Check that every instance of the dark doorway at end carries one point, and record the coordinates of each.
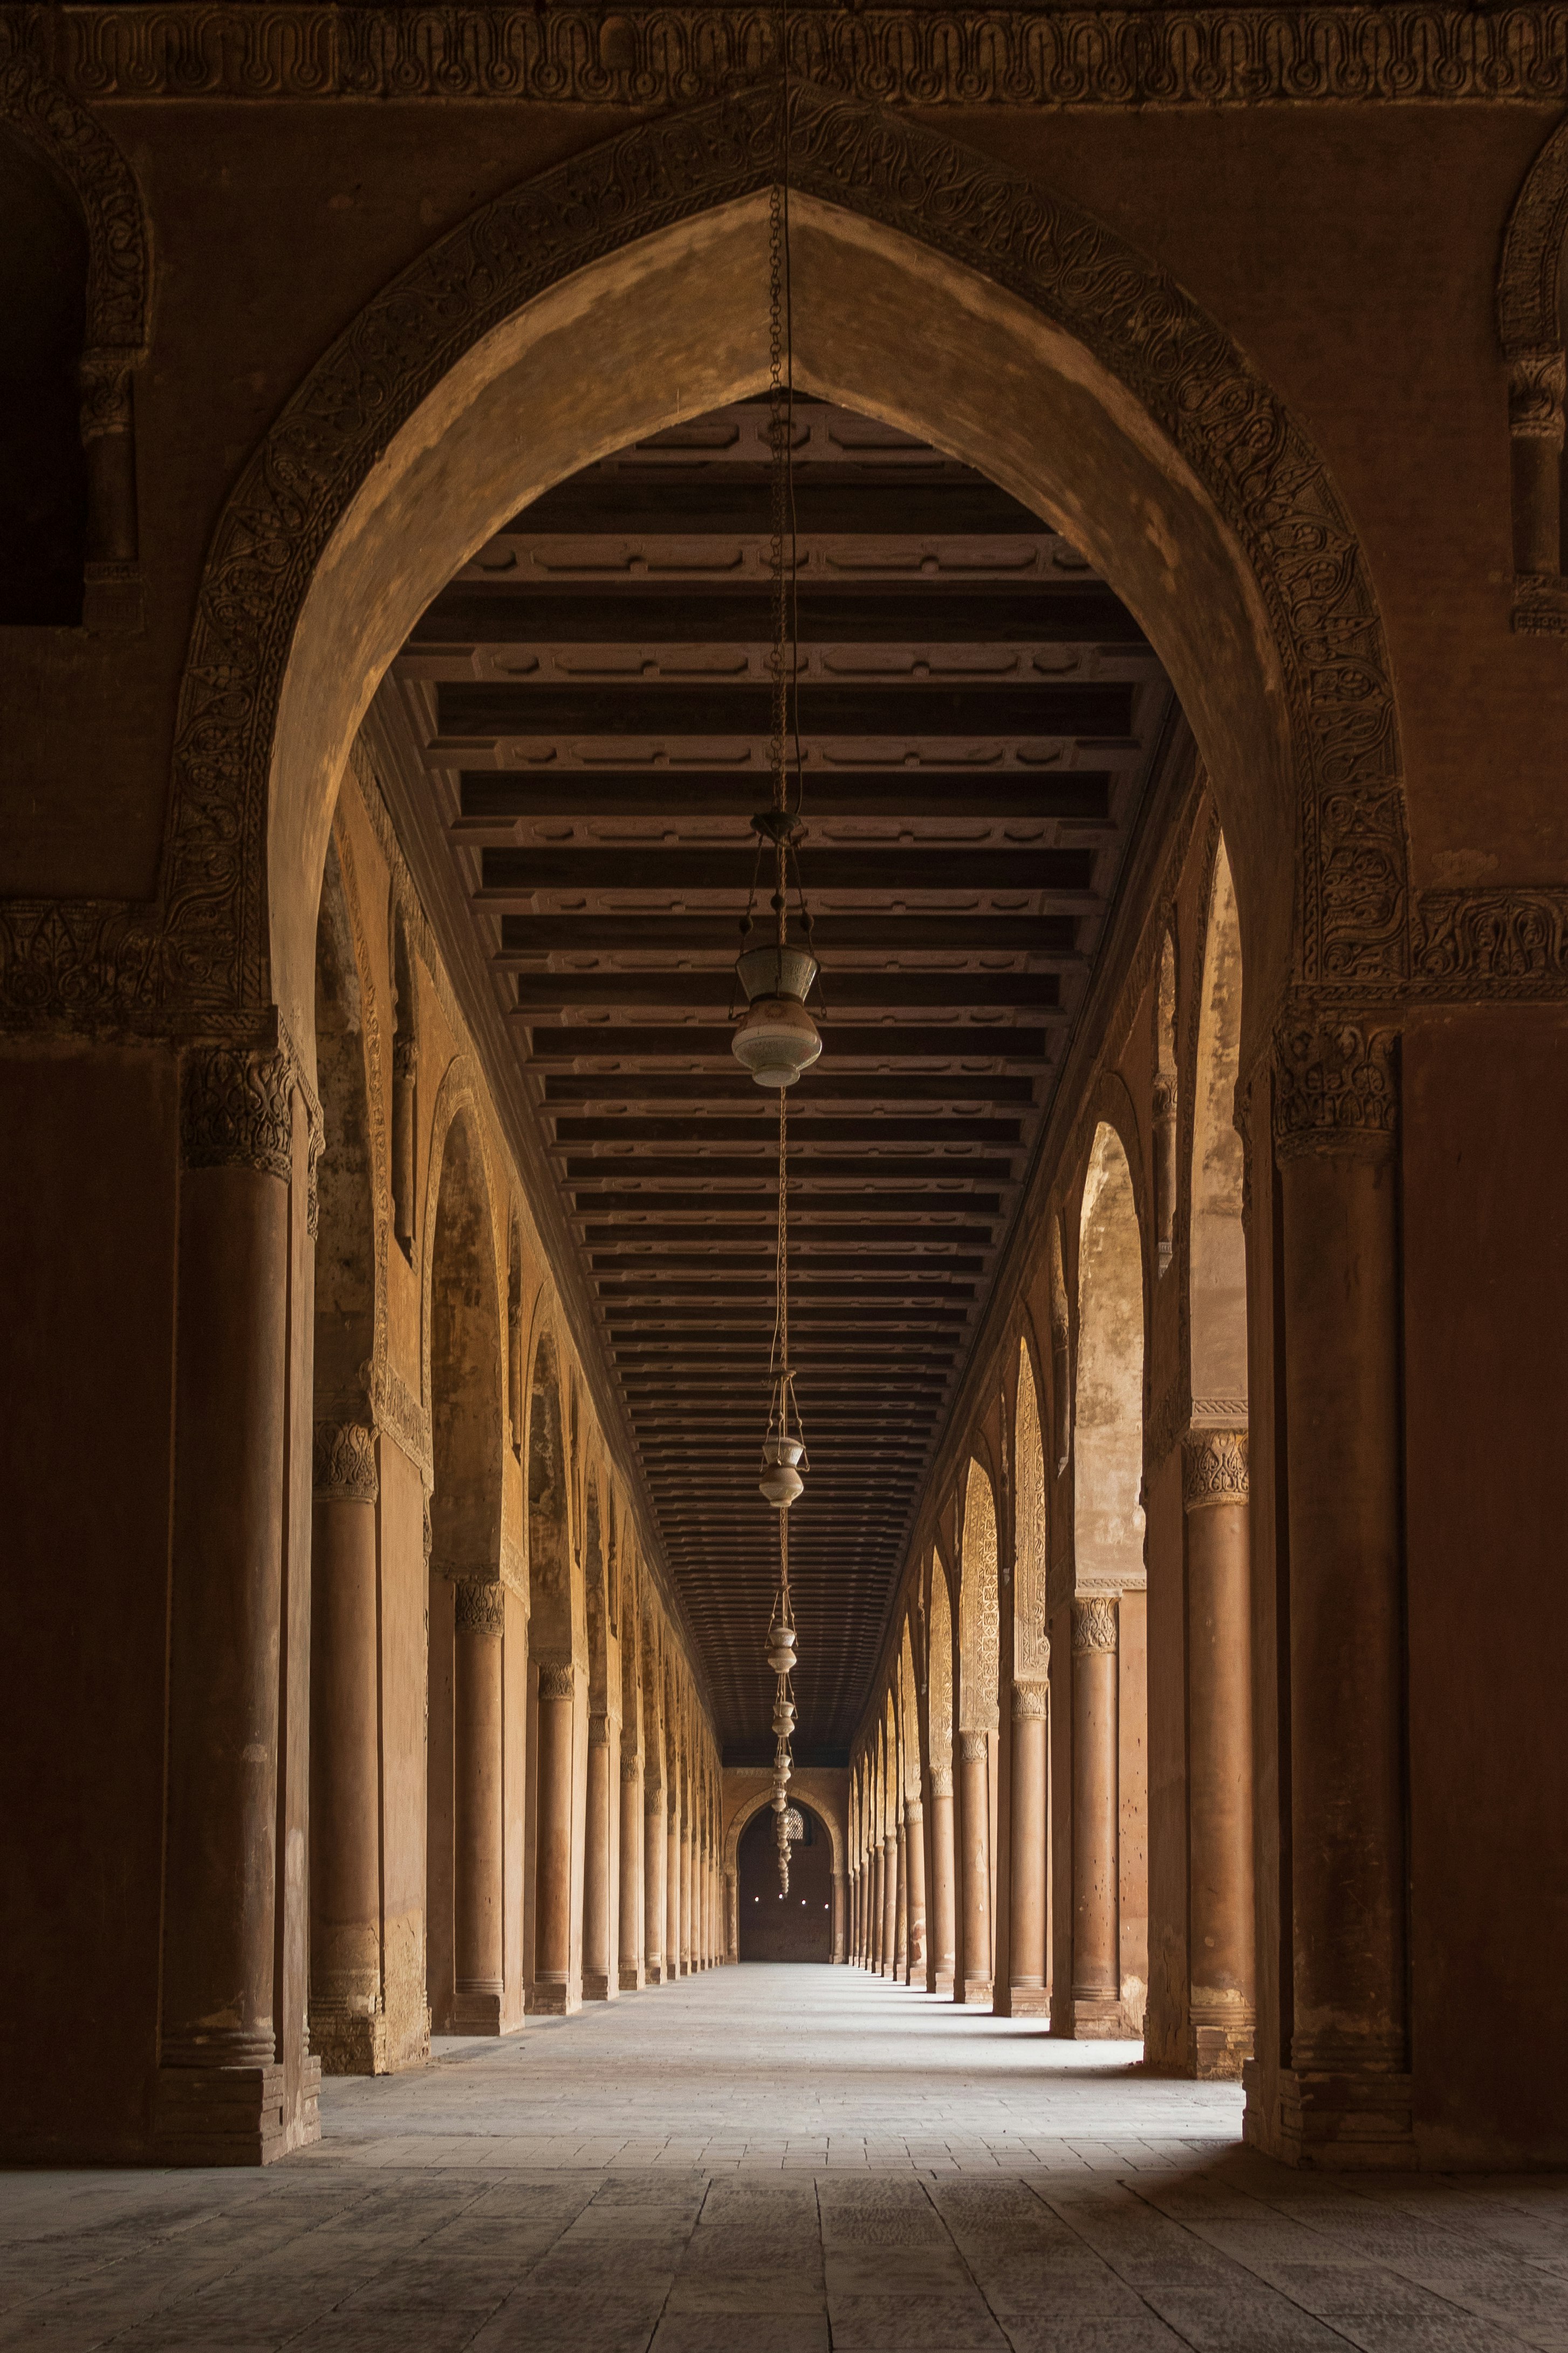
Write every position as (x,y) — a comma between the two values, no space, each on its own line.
(793,1927)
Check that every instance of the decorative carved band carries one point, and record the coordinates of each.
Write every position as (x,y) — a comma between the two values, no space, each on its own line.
(973,1745)
(1093,1625)
(907,55)
(482,1607)
(343,1463)
(1337,1089)
(1512,943)
(237,1110)
(1213,1468)
(557,1679)
(942,1781)
(1031,1702)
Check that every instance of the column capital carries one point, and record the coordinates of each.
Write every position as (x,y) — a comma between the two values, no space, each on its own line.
(236,1109)
(342,1462)
(631,1770)
(1093,1624)
(1213,1468)
(942,1781)
(1535,394)
(598,1731)
(1336,1088)
(481,1607)
(914,1812)
(405,1055)
(1031,1702)
(973,1746)
(557,1679)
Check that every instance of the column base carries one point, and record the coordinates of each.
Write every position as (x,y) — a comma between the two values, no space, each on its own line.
(631,1977)
(1091,2019)
(598,1987)
(939,1982)
(1218,2049)
(1344,2123)
(654,1973)
(351,2044)
(231,2115)
(978,1993)
(1022,2001)
(477,2010)
(554,2001)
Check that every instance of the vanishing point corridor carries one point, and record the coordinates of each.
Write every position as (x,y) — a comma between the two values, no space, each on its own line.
(782,2159)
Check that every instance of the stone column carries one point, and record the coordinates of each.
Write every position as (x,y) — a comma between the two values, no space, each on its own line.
(552,1991)
(1345,2098)
(915,1866)
(974,1864)
(1221,1993)
(1028,1992)
(478,1828)
(874,1925)
(902,1920)
(655,1894)
(854,1915)
(631,1967)
(944,1908)
(348,2024)
(598,1982)
(889,1958)
(840,1916)
(687,1961)
(1096,1844)
(672,1892)
(221,2092)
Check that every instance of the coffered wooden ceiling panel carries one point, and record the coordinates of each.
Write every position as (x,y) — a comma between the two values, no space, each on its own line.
(979,717)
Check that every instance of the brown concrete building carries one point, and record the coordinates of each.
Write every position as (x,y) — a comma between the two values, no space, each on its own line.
(388,661)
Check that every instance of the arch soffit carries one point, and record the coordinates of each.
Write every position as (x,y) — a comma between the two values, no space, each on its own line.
(246,807)
(370,991)
(1112,1105)
(77,148)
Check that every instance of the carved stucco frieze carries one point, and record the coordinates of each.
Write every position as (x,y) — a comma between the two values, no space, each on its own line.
(1504,942)
(400,1415)
(1093,1625)
(1336,1089)
(1407,52)
(481,1607)
(342,1462)
(1213,1468)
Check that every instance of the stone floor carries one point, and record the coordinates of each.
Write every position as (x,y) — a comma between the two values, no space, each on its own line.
(780,2160)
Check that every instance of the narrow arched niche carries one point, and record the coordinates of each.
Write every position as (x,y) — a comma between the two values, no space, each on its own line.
(1108,1407)
(1218,1256)
(43,465)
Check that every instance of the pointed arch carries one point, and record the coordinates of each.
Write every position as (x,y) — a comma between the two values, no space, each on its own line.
(1108,1441)
(464,1339)
(1031,1549)
(1217,1259)
(549,1546)
(938,1676)
(978,1646)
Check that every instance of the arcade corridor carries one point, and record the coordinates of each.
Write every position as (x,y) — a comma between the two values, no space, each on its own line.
(781,2160)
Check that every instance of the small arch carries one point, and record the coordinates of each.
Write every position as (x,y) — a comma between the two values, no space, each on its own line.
(1217,1273)
(1061,1354)
(345,1234)
(548,1548)
(405,1080)
(939,1678)
(1031,1549)
(1109,1399)
(596,1598)
(977,1607)
(465,1364)
(1531,325)
(771,1925)
(517,1412)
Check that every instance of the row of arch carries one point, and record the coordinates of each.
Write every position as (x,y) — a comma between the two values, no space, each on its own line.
(514,1784)
(1026,1831)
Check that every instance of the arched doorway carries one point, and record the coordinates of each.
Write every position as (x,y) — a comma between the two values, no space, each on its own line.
(774,1927)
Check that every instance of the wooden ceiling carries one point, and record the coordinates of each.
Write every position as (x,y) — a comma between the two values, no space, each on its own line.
(979,716)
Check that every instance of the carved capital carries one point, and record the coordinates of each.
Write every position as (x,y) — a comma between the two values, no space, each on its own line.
(973,1746)
(1337,1089)
(942,1781)
(405,1055)
(342,1462)
(481,1607)
(598,1732)
(105,380)
(557,1679)
(1093,1625)
(1031,1702)
(914,1812)
(631,1770)
(237,1110)
(1535,391)
(1213,1468)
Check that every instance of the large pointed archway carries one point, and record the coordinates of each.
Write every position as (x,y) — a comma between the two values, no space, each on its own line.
(625,289)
